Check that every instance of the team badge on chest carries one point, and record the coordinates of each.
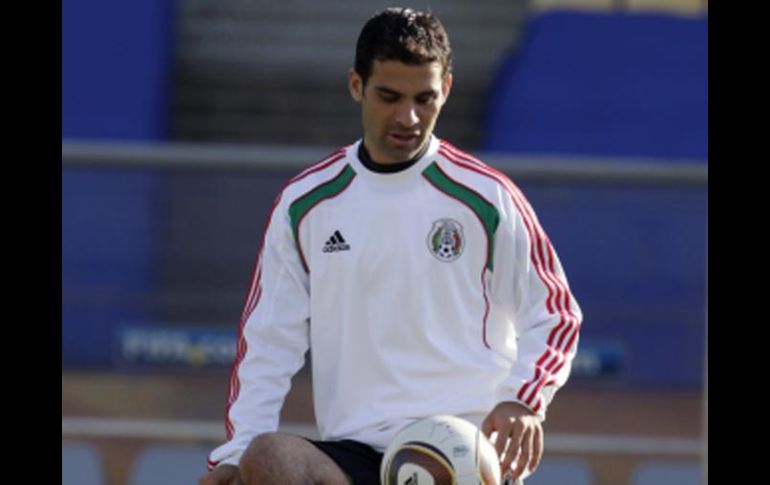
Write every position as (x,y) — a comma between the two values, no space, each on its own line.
(446,240)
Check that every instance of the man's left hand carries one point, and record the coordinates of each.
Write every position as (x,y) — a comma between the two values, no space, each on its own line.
(520,429)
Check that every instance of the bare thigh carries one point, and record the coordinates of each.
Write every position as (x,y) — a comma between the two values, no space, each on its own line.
(283,458)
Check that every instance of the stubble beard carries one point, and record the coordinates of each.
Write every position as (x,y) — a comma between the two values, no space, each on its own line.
(396,153)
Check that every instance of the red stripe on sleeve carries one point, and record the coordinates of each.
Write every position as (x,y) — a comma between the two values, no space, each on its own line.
(254,292)
(543,261)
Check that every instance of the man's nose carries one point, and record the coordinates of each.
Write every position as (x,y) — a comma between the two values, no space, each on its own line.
(407,115)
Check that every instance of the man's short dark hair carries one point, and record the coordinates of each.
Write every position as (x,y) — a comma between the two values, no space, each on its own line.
(405,35)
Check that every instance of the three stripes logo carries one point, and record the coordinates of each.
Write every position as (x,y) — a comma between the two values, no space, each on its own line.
(336,243)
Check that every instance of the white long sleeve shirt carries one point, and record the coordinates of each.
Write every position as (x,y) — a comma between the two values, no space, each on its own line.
(432,290)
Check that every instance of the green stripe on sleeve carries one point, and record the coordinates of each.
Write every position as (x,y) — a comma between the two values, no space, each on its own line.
(300,207)
(487,213)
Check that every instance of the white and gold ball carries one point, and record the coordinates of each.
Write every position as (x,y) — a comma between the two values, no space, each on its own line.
(440,450)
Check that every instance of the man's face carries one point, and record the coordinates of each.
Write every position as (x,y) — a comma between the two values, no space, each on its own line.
(399,105)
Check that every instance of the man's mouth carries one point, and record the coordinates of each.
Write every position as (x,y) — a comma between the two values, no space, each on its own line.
(403,138)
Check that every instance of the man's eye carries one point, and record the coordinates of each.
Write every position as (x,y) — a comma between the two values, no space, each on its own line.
(388,98)
(425,99)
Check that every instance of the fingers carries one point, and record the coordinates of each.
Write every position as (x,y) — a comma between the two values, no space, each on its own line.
(519,440)
(515,433)
(222,475)
(503,433)
(487,427)
(537,449)
(207,479)
(525,447)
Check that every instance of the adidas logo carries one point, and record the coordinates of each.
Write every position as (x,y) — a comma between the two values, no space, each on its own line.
(336,243)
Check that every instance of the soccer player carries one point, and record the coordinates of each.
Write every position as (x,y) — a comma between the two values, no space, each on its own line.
(419,277)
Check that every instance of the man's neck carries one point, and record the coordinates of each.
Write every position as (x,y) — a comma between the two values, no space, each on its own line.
(374,166)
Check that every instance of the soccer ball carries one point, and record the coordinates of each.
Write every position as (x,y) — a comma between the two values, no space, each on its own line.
(440,450)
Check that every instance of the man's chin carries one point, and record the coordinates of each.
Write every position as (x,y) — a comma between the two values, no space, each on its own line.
(405,152)
(402,155)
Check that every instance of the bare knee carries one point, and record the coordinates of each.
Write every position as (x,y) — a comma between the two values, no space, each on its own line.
(262,458)
(280,458)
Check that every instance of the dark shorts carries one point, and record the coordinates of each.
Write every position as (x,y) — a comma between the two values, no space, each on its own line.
(360,462)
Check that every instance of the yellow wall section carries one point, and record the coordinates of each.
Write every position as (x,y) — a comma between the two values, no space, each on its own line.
(675,7)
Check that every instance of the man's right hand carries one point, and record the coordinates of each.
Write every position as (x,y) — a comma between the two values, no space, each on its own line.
(222,475)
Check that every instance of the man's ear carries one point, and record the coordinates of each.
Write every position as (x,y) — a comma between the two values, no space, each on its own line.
(355,85)
(446,86)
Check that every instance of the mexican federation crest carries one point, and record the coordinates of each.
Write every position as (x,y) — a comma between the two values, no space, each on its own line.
(446,240)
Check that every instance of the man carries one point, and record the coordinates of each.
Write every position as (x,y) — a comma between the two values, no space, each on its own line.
(419,277)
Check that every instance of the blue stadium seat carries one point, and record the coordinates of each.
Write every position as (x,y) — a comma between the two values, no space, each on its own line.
(169,464)
(561,471)
(667,473)
(615,84)
(80,464)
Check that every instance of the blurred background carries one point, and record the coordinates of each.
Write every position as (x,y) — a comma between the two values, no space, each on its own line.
(181,119)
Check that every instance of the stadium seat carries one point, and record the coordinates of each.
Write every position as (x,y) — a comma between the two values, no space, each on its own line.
(561,471)
(666,473)
(168,464)
(80,464)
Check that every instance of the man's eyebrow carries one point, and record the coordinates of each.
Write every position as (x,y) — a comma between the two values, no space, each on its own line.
(428,92)
(386,90)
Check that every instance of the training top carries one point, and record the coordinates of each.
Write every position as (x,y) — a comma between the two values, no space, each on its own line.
(432,290)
